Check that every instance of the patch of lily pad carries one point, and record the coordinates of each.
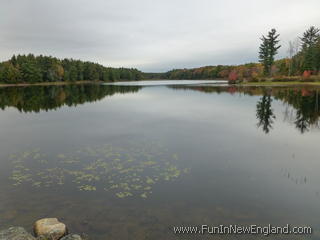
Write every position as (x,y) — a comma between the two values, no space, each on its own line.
(128,171)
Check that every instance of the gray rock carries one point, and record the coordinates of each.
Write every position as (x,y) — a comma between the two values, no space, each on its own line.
(15,233)
(71,237)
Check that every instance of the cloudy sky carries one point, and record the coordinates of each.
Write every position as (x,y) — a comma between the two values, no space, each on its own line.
(151,35)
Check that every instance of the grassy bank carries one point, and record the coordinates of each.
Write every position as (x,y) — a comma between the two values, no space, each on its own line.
(286,83)
(276,81)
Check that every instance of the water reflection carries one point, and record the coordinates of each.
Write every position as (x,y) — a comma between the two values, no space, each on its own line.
(295,179)
(45,98)
(265,113)
(306,103)
(95,166)
(302,103)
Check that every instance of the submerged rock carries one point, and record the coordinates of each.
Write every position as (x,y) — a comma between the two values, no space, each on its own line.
(15,233)
(50,228)
(72,237)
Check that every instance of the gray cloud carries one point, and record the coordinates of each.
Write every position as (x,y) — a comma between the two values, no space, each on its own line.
(150,35)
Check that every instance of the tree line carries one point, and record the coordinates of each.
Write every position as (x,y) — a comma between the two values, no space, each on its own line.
(303,61)
(37,69)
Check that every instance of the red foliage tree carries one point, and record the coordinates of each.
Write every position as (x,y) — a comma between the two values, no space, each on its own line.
(306,74)
(233,76)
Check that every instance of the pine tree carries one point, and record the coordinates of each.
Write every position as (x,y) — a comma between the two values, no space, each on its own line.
(264,55)
(317,55)
(309,49)
(273,45)
(8,73)
(73,74)
(268,49)
(30,72)
(310,37)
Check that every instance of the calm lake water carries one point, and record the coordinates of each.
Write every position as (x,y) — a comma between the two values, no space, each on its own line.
(131,162)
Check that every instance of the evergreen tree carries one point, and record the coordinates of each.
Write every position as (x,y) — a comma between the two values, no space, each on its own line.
(268,49)
(310,37)
(264,55)
(273,39)
(309,42)
(73,74)
(30,72)
(8,73)
(317,55)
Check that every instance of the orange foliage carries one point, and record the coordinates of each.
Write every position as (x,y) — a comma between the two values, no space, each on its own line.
(254,75)
(306,74)
(224,74)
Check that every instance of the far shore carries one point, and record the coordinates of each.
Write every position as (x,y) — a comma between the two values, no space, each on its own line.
(45,83)
(278,83)
(245,83)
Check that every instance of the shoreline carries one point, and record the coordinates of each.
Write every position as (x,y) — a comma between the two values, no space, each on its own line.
(276,84)
(249,84)
(46,83)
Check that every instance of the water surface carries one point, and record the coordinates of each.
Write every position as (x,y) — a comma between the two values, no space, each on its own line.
(131,162)
(167,82)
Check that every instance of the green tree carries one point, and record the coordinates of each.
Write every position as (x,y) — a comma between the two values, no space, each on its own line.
(268,49)
(264,55)
(310,37)
(30,72)
(8,73)
(309,42)
(73,74)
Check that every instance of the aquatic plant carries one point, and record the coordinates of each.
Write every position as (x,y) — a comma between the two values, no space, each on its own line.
(127,171)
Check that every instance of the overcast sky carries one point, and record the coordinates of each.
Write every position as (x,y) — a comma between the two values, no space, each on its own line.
(151,35)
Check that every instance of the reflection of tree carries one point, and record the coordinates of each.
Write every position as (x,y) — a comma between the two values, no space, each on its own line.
(302,122)
(265,113)
(288,114)
(307,112)
(301,103)
(38,98)
(306,104)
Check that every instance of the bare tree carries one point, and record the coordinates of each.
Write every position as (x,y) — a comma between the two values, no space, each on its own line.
(292,51)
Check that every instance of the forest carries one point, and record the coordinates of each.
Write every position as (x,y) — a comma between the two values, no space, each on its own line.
(37,69)
(303,62)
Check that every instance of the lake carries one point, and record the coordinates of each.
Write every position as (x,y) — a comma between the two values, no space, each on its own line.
(131,161)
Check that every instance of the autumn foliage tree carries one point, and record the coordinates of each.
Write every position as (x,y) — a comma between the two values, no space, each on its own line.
(306,74)
(233,76)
